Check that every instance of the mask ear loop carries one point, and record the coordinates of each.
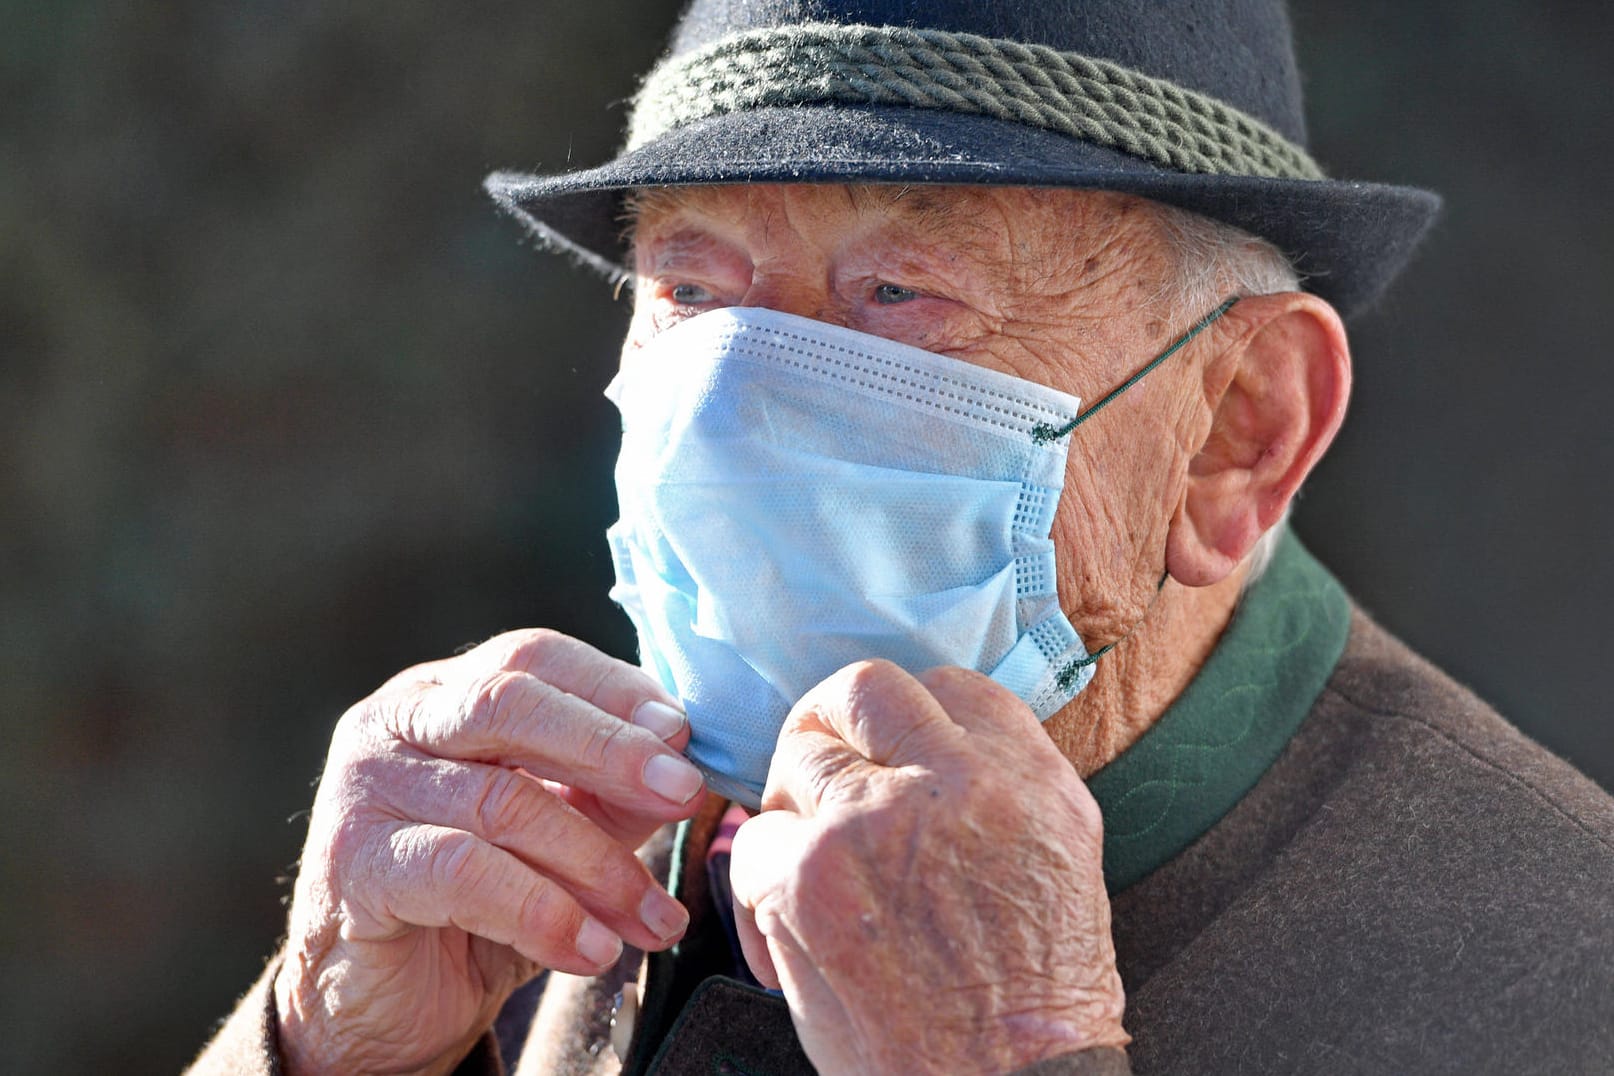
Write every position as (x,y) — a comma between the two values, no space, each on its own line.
(1067,675)
(1043,433)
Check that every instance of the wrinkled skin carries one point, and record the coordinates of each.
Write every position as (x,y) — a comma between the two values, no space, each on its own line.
(474,824)
(1068,289)
(925,883)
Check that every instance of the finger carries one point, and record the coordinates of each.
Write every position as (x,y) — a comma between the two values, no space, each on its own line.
(768,854)
(427,673)
(625,826)
(988,709)
(880,711)
(767,851)
(978,702)
(754,947)
(867,716)
(514,719)
(620,689)
(441,877)
(516,813)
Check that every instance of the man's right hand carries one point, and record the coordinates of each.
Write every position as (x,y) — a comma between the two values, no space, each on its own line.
(475,823)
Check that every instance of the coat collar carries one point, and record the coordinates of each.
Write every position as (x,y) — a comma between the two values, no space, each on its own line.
(1236,716)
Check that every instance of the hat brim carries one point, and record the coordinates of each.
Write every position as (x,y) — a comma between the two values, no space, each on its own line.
(1348,239)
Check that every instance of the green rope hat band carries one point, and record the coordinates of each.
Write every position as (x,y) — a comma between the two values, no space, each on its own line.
(1093,100)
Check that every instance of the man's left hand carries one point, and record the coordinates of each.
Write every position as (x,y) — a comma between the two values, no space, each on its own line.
(925,882)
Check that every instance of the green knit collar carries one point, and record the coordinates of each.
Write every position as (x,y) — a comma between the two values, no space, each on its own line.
(1215,741)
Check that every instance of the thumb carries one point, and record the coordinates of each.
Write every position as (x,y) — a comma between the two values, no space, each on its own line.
(766,850)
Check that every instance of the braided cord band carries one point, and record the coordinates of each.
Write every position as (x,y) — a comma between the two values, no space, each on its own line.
(1093,100)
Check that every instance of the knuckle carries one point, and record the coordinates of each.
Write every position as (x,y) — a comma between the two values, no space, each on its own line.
(345,842)
(344,821)
(613,680)
(356,727)
(533,648)
(871,674)
(501,700)
(498,648)
(482,699)
(869,684)
(509,803)
(453,865)
(955,677)
(407,713)
(613,871)
(544,913)
(600,744)
(423,673)
(824,854)
(828,775)
(410,719)
(354,717)
(362,776)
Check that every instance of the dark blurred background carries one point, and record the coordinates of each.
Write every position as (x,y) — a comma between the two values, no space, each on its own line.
(288,407)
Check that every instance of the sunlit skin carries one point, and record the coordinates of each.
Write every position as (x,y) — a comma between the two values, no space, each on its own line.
(476,816)
(1064,288)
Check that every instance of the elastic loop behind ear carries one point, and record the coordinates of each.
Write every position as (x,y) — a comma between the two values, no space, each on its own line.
(1067,675)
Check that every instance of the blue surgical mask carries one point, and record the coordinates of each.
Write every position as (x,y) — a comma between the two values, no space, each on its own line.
(797,496)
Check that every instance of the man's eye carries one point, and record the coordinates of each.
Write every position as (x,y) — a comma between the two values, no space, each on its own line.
(690,294)
(886,294)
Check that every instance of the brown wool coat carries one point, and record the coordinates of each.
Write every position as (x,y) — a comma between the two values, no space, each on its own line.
(1413,887)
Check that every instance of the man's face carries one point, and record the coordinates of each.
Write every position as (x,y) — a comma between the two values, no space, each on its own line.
(1065,288)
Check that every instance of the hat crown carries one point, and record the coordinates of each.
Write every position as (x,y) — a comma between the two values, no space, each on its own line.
(1240,52)
(1189,103)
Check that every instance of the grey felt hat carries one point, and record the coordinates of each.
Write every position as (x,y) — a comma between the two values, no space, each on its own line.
(1193,103)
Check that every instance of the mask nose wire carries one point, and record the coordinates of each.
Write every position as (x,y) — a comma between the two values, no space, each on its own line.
(1044,433)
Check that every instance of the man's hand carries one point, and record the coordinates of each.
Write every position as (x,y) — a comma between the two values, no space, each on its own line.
(476,822)
(925,881)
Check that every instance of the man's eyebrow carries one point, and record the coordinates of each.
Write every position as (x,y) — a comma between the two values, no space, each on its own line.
(926,206)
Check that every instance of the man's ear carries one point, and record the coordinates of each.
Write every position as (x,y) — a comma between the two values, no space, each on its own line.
(1277,396)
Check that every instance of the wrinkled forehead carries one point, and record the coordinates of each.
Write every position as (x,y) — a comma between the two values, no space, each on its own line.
(1009,221)
(1018,258)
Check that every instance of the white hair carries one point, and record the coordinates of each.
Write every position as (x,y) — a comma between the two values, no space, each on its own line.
(1215,261)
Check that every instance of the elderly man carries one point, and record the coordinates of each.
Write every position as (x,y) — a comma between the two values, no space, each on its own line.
(1007,726)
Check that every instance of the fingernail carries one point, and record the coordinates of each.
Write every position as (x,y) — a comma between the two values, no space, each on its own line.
(662,914)
(671,778)
(659,718)
(597,944)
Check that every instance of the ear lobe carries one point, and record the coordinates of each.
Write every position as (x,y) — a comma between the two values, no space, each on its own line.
(1277,397)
